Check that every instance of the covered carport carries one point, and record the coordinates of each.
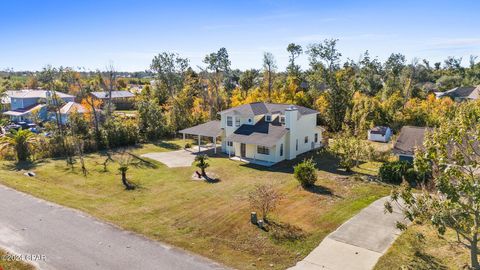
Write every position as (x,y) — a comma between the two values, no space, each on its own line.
(209,129)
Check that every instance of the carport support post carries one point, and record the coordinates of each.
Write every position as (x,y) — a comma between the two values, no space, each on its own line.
(199,141)
(214,145)
(183,138)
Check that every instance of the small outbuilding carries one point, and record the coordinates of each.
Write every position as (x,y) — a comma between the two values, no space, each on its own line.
(380,134)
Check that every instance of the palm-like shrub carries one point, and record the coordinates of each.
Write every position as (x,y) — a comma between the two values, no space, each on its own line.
(22,142)
(201,162)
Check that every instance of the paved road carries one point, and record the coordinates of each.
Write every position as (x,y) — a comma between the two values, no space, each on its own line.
(72,240)
(358,243)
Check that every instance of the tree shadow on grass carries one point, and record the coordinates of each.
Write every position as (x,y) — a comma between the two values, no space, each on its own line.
(321,190)
(23,165)
(284,232)
(167,145)
(424,261)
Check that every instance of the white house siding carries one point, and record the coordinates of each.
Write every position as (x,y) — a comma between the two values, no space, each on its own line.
(298,129)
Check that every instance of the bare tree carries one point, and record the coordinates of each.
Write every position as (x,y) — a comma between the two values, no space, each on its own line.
(264,198)
(269,67)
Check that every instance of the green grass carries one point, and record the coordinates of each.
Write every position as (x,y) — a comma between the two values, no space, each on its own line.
(211,219)
(7,264)
(437,252)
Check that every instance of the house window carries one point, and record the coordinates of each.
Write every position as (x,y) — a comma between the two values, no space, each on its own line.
(237,121)
(229,121)
(281,150)
(282,120)
(316,137)
(263,150)
(249,120)
(296,145)
(268,118)
(306,139)
(230,143)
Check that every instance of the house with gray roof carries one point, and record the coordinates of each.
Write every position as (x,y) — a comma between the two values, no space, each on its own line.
(263,133)
(410,139)
(27,103)
(459,94)
(123,100)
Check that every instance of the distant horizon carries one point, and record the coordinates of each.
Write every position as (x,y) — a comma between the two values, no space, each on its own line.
(128,34)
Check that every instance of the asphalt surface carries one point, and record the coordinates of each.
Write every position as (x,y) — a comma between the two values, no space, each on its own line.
(358,243)
(63,238)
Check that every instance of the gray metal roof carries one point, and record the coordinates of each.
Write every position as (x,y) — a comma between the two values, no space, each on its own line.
(382,130)
(208,129)
(115,94)
(262,133)
(260,108)
(409,139)
(30,93)
(464,92)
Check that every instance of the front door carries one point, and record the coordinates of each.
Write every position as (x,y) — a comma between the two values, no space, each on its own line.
(242,150)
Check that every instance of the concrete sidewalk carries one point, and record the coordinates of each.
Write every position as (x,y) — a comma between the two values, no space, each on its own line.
(358,243)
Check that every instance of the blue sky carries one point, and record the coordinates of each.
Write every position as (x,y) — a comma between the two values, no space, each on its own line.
(93,34)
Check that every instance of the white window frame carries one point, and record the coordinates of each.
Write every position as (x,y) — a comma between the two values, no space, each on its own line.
(306,139)
(237,121)
(263,150)
(282,119)
(229,143)
(316,137)
(281,149)
(268,118)
(229,121)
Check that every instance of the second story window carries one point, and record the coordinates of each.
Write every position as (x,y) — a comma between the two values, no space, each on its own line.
(306,139)
(237,121)
(316,137)
(268,118)
(229,121)
(282,119)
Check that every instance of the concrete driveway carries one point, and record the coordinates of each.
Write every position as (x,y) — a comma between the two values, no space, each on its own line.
(72,240)
(358,243)
(179,158)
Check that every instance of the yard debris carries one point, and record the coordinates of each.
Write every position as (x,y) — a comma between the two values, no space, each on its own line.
(30,174)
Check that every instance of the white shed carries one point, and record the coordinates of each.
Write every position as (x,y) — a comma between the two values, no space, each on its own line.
(380,134)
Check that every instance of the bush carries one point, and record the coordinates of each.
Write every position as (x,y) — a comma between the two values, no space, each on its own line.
(394,172)
(188,145)
(306,173)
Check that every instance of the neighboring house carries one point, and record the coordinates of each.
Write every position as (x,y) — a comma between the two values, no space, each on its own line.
(68,109)
(459,94)
(380,134)
(123,100)
(264,133)
(408,141)
(27,104)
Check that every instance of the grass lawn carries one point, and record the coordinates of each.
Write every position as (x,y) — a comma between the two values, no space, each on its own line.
(211,219)
(7,264)
(437,252)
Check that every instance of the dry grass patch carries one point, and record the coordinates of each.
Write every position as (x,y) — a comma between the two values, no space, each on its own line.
(7,263)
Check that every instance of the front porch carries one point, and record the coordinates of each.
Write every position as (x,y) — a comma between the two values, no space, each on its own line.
(253,161)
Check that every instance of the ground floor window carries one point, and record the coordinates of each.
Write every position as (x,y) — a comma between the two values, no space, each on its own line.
(281,150)
(316,137)
(296,145)
(229,143)
(306,139)
(263,150)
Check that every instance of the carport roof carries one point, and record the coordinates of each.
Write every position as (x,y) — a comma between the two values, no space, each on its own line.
(208,129)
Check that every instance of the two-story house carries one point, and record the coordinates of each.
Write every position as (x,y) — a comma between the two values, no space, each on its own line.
(24,104)
(264,132)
